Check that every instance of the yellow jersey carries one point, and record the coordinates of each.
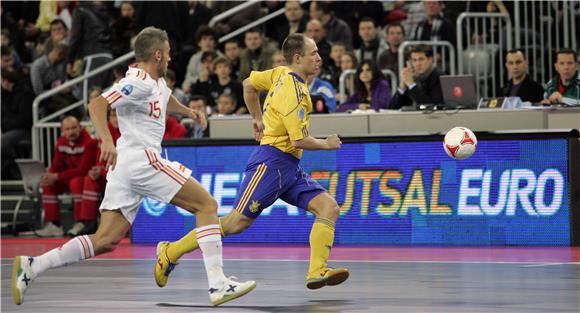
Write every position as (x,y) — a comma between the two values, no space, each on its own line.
(286,112)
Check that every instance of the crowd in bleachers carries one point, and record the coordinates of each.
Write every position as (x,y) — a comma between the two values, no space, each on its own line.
(46,43)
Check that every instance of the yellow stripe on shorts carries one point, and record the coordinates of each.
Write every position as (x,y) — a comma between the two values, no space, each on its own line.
(251,187)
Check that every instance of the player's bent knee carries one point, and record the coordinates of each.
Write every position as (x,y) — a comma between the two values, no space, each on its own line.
(329,209)
(208,206)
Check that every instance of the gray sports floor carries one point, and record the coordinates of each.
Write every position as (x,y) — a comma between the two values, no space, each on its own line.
(128,286)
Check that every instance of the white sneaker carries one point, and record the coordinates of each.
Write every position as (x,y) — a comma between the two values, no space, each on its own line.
(50,230)
(76,229)
(22,277)
(230,290)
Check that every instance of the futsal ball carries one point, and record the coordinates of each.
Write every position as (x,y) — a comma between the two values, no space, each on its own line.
(460,143)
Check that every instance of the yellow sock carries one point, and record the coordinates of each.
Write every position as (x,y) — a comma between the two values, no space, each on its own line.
(321,240)
(185,245)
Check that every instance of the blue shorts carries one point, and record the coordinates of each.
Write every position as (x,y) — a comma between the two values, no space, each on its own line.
(272,174)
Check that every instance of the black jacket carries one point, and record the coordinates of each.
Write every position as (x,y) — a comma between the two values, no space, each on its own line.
(17,107)
(91,31)
(529,90)
(427,91)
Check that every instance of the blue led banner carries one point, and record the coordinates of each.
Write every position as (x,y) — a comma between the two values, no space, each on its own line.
(510,192)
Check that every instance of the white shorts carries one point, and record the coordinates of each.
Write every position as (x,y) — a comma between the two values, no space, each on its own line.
(138,174)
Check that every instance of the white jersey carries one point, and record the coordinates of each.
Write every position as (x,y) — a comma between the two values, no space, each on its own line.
(141,104)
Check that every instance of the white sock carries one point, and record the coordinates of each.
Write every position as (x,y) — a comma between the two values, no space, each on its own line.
(75,250)
(210,241)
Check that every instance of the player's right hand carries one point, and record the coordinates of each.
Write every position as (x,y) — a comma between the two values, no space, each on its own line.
(258,129)
(108,154)
(333,142)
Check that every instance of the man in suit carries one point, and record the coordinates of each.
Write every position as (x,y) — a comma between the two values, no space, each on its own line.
(520,83)
(419,80)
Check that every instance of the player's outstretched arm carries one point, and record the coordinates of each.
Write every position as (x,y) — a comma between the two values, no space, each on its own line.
(331,142)
(98,111)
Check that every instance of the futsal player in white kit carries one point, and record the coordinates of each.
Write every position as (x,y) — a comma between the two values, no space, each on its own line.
(142,100)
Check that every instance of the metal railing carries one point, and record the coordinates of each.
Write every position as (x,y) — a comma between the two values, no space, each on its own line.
(484,58)
(251,25)
(342,82)
(441,63)
(39,124)
(230,12)
(537,31)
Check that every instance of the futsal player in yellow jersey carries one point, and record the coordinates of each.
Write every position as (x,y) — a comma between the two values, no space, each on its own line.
(273,171)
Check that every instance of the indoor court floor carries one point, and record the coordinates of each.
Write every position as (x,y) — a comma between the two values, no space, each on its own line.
(383,279)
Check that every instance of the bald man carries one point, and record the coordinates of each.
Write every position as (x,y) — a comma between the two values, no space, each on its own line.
(316,31)
(75,154)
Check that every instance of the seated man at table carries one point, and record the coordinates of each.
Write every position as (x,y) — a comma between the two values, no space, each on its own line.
(565,86)
(520,84)
(420,80)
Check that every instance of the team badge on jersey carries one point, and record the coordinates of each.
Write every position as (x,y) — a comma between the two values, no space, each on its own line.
(127,89)
(255,206)
(301,113)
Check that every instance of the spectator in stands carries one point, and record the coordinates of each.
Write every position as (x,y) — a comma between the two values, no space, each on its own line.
(173,129)
(395,36)
(336,29)
(90,34)
(219,84)
(49,70)
(347,62)
(420,80)
(16,120)
(520,84)
(331,69)
(46,14)
(258,53)
(58,33)
(94,184)
(372,46)
(175,91)
(232,52)
(435,26)
(167,15)
(565,86)
(353,11)
(206,41)
(226,104)
(198,15)
(7,44)
(195,130)
(372,90)
(7,61)
(75,154)
(295,21)
(322,94)
(124,29)
(278,59)
(315,31)
(415,15)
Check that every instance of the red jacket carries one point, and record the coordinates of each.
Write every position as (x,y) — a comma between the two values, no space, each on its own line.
(76,159)
(173,129)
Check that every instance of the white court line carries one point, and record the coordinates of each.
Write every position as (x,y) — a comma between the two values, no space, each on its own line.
(547,264)
(527,264)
